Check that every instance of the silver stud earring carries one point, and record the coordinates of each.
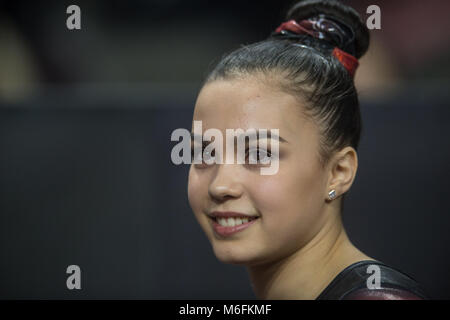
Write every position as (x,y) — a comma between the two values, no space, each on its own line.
(332,194)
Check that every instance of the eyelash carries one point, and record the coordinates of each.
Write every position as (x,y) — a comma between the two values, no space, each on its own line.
(258,151)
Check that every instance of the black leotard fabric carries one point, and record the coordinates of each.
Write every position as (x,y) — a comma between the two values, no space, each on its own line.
(351,284)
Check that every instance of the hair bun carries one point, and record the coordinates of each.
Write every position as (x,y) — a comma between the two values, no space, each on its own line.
(356,41)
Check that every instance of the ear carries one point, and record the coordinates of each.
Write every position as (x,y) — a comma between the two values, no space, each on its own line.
(342,171)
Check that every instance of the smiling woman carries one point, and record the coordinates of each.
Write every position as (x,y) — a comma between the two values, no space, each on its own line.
(286,228)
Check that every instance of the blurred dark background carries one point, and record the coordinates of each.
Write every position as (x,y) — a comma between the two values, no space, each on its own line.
(85,124)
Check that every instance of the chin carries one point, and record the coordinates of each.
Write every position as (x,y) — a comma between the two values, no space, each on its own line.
(231,254)
(230,258)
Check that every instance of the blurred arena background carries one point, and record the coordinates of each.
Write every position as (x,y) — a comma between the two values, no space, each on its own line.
(85,123)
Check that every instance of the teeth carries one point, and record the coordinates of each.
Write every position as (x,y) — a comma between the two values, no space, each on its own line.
(231,222)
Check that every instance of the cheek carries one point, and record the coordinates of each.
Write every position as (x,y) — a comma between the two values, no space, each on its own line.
(195,191)
(293,189)
(290,203)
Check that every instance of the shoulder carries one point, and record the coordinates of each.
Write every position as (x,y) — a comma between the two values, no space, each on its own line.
(372,280)
(381,294)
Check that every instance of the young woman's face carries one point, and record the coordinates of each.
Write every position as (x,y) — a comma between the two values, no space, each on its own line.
(289,204)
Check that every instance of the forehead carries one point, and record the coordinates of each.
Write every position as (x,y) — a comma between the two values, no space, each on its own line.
(247,104)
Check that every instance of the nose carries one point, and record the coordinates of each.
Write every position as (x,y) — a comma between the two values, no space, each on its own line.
(225,184)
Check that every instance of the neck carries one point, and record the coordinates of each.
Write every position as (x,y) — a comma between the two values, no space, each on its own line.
(306,273)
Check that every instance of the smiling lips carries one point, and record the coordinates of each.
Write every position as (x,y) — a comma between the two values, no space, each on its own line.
(228,223)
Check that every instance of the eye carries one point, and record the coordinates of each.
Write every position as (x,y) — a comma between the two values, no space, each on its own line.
(208,155)
(200,155)
(258,156)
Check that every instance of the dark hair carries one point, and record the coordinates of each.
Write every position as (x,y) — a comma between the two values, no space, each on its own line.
(309,71)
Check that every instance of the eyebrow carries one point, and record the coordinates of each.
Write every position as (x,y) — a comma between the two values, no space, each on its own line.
(270,135)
